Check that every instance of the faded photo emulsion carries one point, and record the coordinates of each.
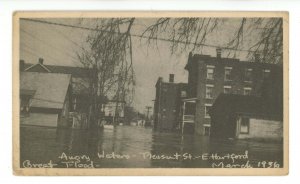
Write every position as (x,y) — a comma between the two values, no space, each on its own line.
(104,93)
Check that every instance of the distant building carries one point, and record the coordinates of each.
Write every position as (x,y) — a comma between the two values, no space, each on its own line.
(45,99)
(210,76)
(245,117)
(167,104)
(114,111)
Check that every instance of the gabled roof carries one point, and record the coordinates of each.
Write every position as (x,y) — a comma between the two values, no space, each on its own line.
(38,65)
(74,71)
(50,88)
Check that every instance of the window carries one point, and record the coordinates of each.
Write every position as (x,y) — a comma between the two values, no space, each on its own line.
(25,105)
(247,91)
(75,104)
(266,73)
(227,75)
(244,125)
(210,72)
(209,91)
(206,130)
(183,94)
(207,109)
(248,75)
(227,89)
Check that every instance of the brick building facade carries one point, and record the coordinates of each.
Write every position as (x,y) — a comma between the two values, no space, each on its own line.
(210,76)
(167,104)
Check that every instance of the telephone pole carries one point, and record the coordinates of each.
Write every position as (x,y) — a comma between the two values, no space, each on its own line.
(148,110)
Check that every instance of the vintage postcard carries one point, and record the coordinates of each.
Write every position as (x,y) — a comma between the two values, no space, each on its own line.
(150,93)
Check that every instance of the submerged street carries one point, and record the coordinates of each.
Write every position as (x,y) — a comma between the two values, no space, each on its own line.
(139,147)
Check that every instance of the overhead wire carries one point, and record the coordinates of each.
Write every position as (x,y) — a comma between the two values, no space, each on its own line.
(134,35)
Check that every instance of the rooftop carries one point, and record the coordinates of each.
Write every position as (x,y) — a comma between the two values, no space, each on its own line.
(48,90)
(79,72)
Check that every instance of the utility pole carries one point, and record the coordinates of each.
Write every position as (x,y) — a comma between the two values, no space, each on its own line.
(148,110)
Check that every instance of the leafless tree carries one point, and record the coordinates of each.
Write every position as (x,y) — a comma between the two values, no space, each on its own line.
(109,52)
(109,58)
(256,36)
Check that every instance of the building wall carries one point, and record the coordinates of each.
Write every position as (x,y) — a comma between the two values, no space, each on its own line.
(167,109)
(167,105)
(193,80)
(237,82)
(40,119)
(63,118)
(49,117)
(261,129)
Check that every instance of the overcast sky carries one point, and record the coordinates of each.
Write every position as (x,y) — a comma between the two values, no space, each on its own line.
(58,46)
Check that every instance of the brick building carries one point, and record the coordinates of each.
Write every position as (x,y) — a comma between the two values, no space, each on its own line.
(167,104)
(210,76)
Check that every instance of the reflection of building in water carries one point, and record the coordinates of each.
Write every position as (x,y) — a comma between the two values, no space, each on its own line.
(167,103)
(44,99)
(210,76)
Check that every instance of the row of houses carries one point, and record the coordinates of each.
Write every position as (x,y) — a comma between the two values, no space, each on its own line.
(52,95)
(223,97)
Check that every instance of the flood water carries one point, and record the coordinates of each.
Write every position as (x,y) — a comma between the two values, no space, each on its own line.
(137,147)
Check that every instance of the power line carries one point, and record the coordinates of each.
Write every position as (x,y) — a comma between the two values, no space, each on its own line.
(67,38)
(134,35)
(31,51)
(59,50)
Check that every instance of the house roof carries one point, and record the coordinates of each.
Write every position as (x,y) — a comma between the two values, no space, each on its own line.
(50,88)
(38,65)
(245,104)
(74,71)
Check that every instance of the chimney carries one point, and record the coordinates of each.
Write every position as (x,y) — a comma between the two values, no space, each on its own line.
(171,78)
(219,51)
(257,57)
(160,79)
(41,61)
(22,65)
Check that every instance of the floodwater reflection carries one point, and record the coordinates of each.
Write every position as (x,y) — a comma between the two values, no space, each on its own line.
(41,144)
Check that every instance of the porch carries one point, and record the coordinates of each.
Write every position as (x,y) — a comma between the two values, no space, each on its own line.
(188,113)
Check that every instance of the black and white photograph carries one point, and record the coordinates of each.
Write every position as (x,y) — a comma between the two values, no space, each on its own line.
(94,92)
